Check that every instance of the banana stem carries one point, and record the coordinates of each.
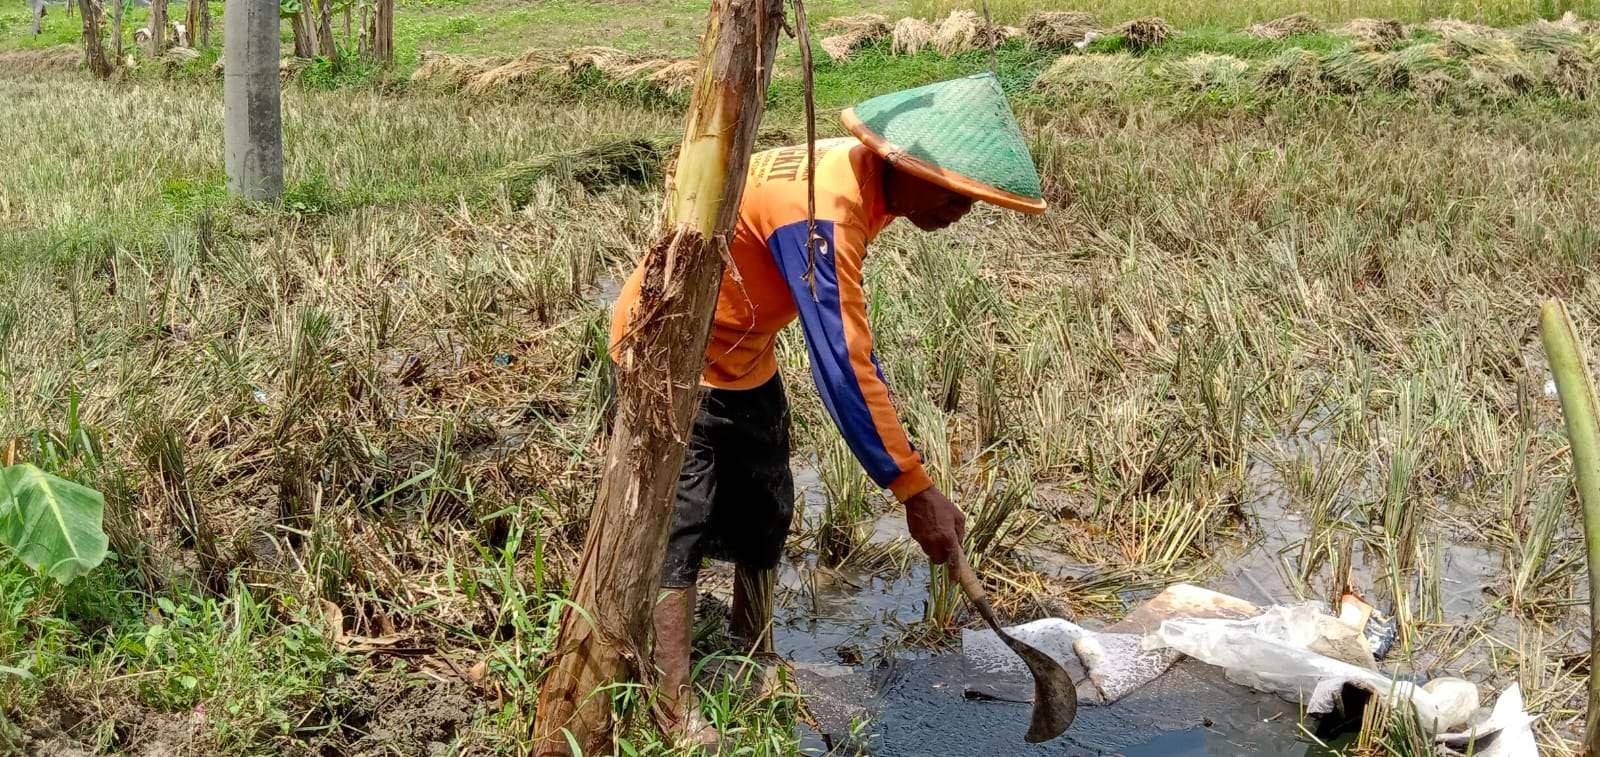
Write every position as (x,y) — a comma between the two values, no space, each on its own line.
(1575,384)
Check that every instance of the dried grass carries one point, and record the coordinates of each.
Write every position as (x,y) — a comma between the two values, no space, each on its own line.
(911,35)
(1144,33)
(853,33)
(1374,33)
(1283,28)
(1059,29)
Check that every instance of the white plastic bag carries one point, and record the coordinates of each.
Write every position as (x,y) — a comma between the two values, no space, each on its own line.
(1268,653)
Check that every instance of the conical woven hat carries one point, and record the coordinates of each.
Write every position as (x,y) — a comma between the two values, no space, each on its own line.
(959,134)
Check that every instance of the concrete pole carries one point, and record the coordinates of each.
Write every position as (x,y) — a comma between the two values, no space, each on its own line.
(252,120)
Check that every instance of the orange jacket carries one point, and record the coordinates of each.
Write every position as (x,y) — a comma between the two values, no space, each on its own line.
(769,251)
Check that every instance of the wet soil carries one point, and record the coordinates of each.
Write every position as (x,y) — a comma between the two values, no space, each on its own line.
(868,694)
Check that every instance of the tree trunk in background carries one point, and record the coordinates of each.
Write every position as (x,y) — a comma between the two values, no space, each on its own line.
(205,24)
(191,21)
(252,123)
(38,16)
(158,27)
(116,29)
(325,29)
(364,44)
(94,52)
(305,43)
(381,35)
(658,373)
(349,40)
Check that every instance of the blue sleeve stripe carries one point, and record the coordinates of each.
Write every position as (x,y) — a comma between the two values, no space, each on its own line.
(830,352)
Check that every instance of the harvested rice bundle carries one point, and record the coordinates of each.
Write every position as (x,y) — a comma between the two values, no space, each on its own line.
(606,60)
(1466,45)
(669,76)
(1295,68)
(1286,27)
(450,72)
(910,35)
(1206,71)
(1094,72)
(851,33)
(1434,86)
(958,32)
(676,75)
(1144,33)
(1571,21)
(632,161)
(1352,69)
(964,30)
(1422,58)
(178,56)
(1445,27)
(1574,75)
(1060,29)
(1506,73)
(525,67)
(58,58)
(1374,33)
(1548,37)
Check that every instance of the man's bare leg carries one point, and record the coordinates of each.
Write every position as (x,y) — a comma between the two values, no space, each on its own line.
(674,626)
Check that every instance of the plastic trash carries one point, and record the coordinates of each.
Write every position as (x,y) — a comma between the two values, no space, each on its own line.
(1506,732)
(1271,653)
(1108,664)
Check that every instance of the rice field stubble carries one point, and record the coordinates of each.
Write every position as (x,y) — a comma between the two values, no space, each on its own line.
(349,442)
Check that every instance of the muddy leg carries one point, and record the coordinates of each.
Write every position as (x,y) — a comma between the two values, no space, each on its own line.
(674,627)
(751,619)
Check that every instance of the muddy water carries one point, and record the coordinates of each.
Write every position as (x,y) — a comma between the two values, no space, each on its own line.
(868,695)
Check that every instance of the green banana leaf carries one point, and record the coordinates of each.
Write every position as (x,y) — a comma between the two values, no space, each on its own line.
(52,524)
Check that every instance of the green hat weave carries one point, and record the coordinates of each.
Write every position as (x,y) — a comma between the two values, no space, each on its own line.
(960,134)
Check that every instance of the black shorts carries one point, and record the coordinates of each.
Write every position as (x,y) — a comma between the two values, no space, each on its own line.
(735,492)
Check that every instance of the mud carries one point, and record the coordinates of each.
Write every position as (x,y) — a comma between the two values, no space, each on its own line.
(917,707)
(81,723)
(869,694)
(395,713)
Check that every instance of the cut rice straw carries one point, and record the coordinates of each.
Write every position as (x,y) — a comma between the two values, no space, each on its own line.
(853,33)
(911,35)
(1283,28)
(1059,29)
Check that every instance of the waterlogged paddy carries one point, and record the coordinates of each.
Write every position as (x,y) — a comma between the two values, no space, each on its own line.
(869,690)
